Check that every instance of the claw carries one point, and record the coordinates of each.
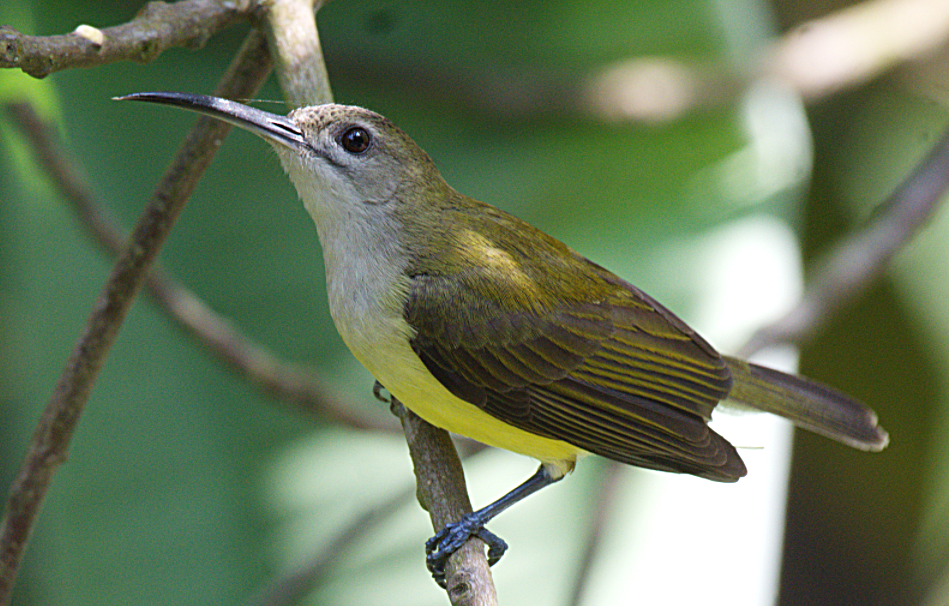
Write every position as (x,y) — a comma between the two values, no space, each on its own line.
(450,539)
(496,545)
(377,389)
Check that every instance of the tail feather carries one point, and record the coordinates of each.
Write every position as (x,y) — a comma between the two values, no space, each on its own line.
(808,404)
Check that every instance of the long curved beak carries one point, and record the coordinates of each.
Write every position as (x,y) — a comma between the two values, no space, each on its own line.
(274,128)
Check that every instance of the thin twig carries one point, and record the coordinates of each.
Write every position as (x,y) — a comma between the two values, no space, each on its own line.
(50,444)
(602,515)
(286,381)
(853,265)
(442,492)
(295,586)
(157,27)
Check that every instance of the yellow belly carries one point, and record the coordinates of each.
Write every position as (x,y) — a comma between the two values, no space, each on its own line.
(403,374)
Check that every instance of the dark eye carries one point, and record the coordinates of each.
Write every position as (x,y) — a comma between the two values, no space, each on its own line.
(356,140)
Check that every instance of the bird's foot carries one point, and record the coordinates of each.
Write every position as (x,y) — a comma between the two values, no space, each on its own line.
(377,389)
(449,539)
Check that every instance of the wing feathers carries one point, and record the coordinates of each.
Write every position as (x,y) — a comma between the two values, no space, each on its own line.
(631,440)
(619,376)
(650,376)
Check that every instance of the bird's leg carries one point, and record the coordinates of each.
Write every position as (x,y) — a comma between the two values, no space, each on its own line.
(450,538)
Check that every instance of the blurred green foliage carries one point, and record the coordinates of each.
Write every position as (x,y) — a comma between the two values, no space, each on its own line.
(185,484)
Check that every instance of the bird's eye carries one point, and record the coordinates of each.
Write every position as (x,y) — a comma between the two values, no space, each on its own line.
(356,140)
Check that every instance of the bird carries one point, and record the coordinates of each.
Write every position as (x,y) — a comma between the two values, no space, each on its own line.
(484,325)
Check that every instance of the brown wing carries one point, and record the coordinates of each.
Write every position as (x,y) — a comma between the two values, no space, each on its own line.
(621,377)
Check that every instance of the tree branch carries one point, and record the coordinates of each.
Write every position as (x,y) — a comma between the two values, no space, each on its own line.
(441,491)
(291,30)
(855,263)
(838,51)
(855,44)
(157,27)
(50,443)
(440,477)
(283,380)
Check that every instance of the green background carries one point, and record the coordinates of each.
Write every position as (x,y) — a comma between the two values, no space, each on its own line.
(187,485)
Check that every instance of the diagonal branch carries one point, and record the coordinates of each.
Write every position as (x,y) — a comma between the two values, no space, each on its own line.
(292,588)
(50,443)
(157,27)
(852,267)
(857,43)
